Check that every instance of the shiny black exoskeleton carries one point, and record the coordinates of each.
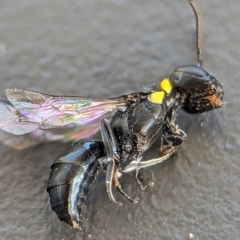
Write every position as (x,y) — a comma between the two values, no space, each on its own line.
(124,140)
(146,116)
(137,127)
(130,132)
(203,92)
(71,178)
(129,125)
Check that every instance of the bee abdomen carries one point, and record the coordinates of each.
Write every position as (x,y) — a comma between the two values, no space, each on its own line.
(71,178)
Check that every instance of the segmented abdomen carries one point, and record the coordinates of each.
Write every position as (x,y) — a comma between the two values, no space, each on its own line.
(71,178)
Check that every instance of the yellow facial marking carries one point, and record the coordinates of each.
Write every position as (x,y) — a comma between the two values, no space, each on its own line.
(156,97)
(166,85)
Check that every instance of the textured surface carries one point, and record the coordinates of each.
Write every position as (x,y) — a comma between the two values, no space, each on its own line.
(107,48)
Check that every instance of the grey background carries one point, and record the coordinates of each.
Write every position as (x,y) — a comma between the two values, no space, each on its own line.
(107,48)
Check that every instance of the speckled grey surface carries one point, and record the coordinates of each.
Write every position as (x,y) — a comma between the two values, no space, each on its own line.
(107,48)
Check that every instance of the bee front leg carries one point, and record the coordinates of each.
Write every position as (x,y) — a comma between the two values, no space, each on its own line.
(118,186)
(172,137)
(144,184)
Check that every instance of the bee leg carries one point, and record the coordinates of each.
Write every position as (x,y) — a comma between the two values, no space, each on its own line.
(109,141)
(118,186)
(154,161)
(109,181)
(172,141)
(173,136)
(144,184)
(110,144)
(135,165)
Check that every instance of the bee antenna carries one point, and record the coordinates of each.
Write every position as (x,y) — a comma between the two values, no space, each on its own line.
(198,33)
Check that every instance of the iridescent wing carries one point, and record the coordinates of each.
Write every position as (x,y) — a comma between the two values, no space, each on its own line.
(12,121)
(33,110)
(70,132)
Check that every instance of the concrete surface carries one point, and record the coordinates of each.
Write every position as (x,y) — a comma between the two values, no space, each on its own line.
(107,48)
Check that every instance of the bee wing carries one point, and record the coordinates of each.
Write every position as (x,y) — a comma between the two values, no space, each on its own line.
(33,110)
(19,142)
(12,121)
(70,132)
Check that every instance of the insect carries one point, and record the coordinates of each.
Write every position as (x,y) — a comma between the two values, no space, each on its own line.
(138,119)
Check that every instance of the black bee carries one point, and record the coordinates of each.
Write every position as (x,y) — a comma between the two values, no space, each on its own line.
(138,119)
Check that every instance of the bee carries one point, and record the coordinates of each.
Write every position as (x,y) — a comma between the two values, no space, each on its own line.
(129,125)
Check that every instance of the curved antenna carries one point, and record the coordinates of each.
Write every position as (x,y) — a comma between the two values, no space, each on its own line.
(198,33)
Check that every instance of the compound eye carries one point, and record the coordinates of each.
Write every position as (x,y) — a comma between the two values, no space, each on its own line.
(189,76)
(192,70)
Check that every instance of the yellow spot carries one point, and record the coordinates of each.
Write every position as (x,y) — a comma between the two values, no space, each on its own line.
(156,97)
(166,85)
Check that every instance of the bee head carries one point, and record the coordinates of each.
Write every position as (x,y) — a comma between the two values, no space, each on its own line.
(203,92)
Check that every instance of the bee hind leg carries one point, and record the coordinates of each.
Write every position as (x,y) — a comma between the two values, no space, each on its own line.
(112,158)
